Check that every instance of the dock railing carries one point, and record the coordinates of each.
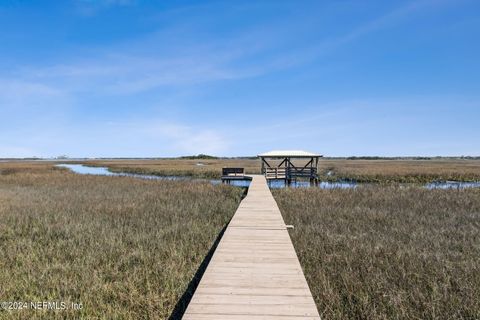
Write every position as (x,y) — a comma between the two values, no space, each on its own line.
(289,173)
(233,172)
(275,173)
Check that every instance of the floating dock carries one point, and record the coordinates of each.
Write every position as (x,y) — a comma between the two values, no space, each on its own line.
(254,273)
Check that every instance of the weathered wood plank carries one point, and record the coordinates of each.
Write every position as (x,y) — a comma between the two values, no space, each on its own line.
(254,272)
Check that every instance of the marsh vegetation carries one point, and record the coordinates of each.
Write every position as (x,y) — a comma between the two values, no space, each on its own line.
(370,171)
(123,247)
(388,252)
(401,171)
(128,248)
(198,168)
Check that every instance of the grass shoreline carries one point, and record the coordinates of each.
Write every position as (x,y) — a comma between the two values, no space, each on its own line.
(362,171)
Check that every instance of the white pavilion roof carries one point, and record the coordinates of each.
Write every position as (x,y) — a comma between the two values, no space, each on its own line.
(288,153)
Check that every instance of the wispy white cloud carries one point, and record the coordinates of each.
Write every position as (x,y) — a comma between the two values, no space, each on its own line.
(191,140)
(13,89)
(327,46)
(125,138)
(394,126)
(125,69)
(377,126)
(7,151)
(179,57)
(132,72)
(151,137)
(24,99)
(393,17)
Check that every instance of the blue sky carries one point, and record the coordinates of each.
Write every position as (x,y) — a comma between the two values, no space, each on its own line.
(112,78)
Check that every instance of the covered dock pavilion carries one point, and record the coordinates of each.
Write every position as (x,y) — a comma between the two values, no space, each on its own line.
(290,165)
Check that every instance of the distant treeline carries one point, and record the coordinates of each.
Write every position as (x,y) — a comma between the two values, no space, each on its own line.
(209,157)
(403,158)
(387,158)
(200,156)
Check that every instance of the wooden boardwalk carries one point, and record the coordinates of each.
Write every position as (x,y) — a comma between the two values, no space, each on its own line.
(254,272)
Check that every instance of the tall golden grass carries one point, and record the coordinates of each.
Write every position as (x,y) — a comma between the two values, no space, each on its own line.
(381,171)
(199,168)
(123,247)
(403,171)
(128,248)
(388,252)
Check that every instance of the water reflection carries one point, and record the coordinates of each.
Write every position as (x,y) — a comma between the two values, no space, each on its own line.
(277,184)
(81,169)
(274,184)
(452,185)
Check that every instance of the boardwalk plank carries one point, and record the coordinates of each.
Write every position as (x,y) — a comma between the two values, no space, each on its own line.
(254,272)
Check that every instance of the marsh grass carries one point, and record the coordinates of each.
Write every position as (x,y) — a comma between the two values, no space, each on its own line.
(371,171)
(198,168)
(388,252)
(400,171)
(123,247)
(128,248)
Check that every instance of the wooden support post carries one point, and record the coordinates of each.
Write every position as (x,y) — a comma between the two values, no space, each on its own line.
(287,172)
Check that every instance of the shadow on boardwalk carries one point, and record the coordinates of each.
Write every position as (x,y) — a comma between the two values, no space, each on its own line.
(182,304)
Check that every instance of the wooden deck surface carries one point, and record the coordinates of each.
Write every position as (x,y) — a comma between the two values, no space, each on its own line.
(254,272)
